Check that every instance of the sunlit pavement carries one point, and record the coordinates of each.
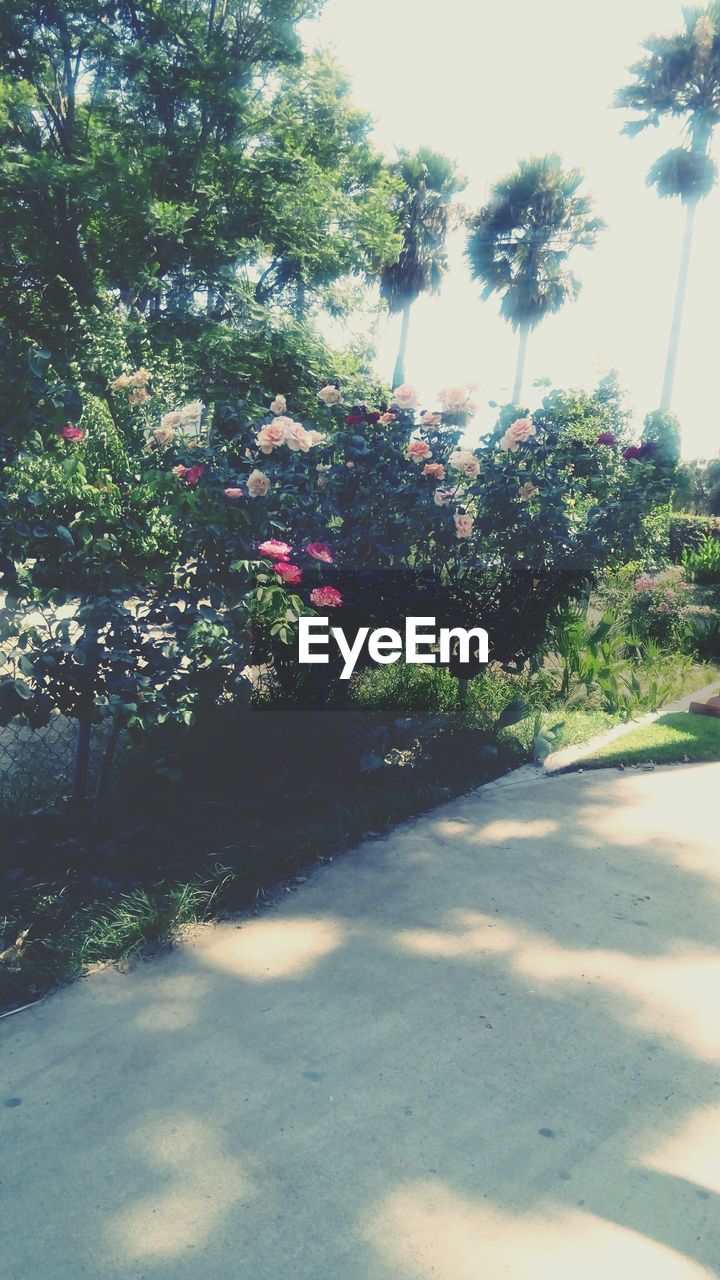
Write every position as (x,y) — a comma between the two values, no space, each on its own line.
(485,1048)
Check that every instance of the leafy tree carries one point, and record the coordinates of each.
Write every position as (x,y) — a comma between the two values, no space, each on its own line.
(679,78)
(422,207)
(521,241)
(183,161)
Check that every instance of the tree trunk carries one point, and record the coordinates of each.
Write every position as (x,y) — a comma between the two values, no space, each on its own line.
(674,343)
(399,373)
(520,366)
(82,762)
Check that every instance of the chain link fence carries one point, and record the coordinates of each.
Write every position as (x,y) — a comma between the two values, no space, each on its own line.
(36,765)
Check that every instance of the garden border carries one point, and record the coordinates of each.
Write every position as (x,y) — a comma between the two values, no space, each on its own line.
(564,760)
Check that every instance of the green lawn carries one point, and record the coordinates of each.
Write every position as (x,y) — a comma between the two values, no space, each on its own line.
(670,739)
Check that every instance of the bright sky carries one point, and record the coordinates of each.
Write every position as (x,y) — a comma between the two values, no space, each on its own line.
(490,83)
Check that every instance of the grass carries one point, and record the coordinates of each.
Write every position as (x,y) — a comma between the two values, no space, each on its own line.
(675,738)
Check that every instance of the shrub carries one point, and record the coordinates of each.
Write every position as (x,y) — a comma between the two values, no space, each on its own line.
(688,531)
(703,563)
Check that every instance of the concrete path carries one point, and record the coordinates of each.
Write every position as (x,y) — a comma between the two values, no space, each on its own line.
(485,1048)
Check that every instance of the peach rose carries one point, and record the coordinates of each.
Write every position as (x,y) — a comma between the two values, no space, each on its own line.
(443,497)
(329,394)
(464,460)
(139,396)
(463,525)
(435,470)
(233,493)
(419,450)
(386,418)
(140,378)
(430,419)
(317,437)
(517,434)
(272,435)
(257,484)
(528,491)
(406,397)
(164,435)
(297,438)
(123,383)
(173,420)
(278,405)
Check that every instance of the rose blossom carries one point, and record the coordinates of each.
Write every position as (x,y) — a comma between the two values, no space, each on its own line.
(606,437)
(418,450)
(193,474)
(430,419)
(140,378)
(326,597)
(406,397)
(463,525)
(386,418)
(528,491)
(435,470)
(257,484)
(164,435)
(290,573)
(123,383)
(443,497)
(464,460)
(517,433)
(453,399)
(297,437)
(643,583)
(319,551)
(179,470)
(139,396)
(191,415)
(278,405)
(275,550)
(317,437)
(329,394)
(233,493)
(173,420)
(271,435)
(69,432)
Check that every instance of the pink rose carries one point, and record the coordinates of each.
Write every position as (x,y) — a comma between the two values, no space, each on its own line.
(435,470)
(643,583)
(317,437)
(179,470)
(517,434)
(275,550)
(386,418)
(463,525)
(319,551)
(329,394)
(278,405)
(271,435)
(406,397)
(418,450)
(233,493)
(326,597)
(290,573)
(528,491)
(193,474)
(69,432)
(257,484)
(430,419)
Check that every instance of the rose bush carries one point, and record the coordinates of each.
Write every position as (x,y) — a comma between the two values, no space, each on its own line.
(194,552)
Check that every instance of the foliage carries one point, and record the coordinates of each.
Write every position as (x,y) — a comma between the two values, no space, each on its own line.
(521,241)
(703,562)
(698,488)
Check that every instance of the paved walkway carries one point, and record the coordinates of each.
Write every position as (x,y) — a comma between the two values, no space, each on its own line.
(485,1048)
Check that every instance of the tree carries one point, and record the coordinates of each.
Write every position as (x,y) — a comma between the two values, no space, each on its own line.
(520,243)
(183,163)
(680,78)
(422,208)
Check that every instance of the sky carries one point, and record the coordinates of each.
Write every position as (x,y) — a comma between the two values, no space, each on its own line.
(489,83)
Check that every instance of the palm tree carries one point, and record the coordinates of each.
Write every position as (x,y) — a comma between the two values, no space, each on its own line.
(520,243)
(428,182)
(680,77)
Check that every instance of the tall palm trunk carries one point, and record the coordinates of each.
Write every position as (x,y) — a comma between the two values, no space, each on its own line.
(674,343)
(399,372)
(520,366)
